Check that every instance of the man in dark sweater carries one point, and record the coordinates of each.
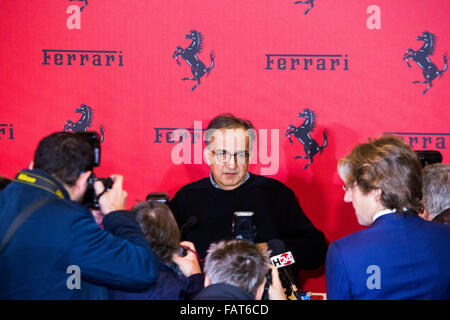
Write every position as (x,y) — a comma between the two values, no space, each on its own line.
(230,188)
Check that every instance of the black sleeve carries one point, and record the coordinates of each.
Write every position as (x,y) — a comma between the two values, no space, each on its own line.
(195,285)
(117,256)
(123,224)
(307,243)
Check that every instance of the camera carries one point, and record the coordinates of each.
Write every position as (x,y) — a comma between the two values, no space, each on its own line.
(427,157)
(182,251)
(162,197)
(90,197)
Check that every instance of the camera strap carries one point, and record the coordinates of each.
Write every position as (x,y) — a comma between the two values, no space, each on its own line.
(20,219)
(35,180)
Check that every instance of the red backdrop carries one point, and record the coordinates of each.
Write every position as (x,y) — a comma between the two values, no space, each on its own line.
(140,92)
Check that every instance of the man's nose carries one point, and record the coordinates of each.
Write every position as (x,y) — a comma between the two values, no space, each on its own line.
(231,163)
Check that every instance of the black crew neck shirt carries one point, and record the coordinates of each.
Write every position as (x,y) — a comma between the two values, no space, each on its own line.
(277,215)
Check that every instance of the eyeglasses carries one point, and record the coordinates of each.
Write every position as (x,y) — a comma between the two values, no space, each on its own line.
(224,156)
(346,187)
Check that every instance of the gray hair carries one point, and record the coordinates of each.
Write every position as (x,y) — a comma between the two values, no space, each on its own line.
(238,263)
(229,121)
(436,188)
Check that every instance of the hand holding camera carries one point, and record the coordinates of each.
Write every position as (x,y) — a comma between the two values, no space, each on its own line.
(113,199)
(106,194)
(188,263)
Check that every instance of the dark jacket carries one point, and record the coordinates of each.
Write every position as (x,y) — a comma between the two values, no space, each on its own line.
(63,233)
(443,217)
(223,291)
(398,257)
(277,215)
(170,285)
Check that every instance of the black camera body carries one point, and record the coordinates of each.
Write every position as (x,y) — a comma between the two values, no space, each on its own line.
(427,157)
(182,251)
(90,197)
(162,197)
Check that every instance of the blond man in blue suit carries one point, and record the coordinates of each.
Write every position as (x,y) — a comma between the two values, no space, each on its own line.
(400,255)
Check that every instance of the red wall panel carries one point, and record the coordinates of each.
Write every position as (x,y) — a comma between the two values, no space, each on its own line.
(372,94)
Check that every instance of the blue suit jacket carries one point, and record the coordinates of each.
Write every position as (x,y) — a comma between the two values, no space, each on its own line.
(398,257)
(63,233)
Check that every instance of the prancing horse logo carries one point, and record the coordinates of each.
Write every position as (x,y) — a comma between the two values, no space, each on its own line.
(85,3)
(310,2)
(303,134)
(84,123)
(421,57)
(189,54)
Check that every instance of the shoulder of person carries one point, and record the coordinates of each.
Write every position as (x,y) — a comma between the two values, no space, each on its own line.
(436,228)
(196,185)
(65,208)
(63,214)
(443,217)
(266,182)
(353,241)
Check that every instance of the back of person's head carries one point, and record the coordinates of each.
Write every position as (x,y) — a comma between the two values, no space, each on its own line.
(229,121)
(388,164)
(159,228)
(238,263)
(436,188)
(64,155)
(4,182)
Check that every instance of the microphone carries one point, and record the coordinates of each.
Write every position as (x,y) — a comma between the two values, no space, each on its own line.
(243,227)
(192,221)
(282,260)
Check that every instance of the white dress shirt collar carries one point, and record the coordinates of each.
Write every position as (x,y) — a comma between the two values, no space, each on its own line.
(382,213)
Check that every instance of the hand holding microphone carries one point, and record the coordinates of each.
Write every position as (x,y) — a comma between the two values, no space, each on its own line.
(276,290)
(281,260)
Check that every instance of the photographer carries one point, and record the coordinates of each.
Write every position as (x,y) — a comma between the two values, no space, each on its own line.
(180,276)
(240,270)
(51,246)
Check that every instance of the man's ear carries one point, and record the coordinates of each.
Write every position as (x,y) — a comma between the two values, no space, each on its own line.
(207,155)
(31,165)
(207,281)
(260,291)
(425,215)
(250,155)
(377,193)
